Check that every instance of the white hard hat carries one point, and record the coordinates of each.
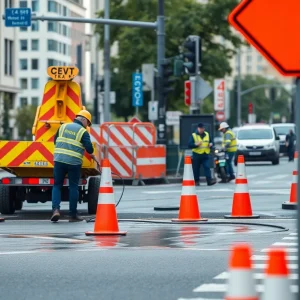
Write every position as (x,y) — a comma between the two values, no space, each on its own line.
(223,125)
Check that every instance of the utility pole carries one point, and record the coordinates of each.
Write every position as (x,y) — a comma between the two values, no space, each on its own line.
(162,138)
(106,64)
(96,82)
(239,121)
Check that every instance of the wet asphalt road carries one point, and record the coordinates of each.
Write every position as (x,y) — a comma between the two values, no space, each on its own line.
(40,260)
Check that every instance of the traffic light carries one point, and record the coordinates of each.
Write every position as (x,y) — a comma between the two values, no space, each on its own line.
(167,82)
(187,92)
(192,54)
(250,108)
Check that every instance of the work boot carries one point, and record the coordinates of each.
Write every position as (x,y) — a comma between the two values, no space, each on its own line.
(56,215)
(75,218)
(231,177)
(211,181)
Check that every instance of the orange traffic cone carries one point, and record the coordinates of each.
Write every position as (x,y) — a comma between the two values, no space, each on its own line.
(276,280)
(241,283)
(292,204)
(189,209)
(241,206)
(106,222)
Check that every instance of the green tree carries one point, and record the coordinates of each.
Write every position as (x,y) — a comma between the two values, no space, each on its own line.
(24,121)
(262,105)
(183,18)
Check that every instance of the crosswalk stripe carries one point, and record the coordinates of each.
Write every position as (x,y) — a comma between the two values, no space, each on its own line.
(225,275)
(265,257)
(219,287)
(290,238)
(264,266)
(285,244)
(291,250)
(281,176)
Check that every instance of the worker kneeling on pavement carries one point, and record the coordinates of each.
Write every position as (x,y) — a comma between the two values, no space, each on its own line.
(70,142)
(229,145)
(200,143)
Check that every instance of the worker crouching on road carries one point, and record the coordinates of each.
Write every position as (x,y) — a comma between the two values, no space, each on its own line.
(70,142)
(200,143)
(230,146)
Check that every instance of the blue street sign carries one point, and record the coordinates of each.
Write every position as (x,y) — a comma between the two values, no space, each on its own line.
(137,89)
(17,17)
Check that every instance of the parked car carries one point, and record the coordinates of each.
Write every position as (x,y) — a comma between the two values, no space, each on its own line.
(258,143)
(282,129)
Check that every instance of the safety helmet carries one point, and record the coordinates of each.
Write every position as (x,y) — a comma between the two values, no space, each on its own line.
(84,113)
(223,125)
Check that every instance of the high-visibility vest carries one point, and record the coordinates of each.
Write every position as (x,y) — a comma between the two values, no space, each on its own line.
(204,147)
(68,148)
(233,144)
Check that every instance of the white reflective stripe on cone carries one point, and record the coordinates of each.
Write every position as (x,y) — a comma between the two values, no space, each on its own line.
(296,164)
(241,171)
(188,190)
(105,198)
(241,188)
(277,288)
(106,180)
(241,284)
(295,179)
(188,172)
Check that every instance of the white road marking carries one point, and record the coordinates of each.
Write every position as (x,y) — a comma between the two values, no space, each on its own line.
(290,238)
(286,250)
(225,275)
(264,266)
(281,176)
(197,299)
(265,257)
(20,252)
(285,244)
(215,287)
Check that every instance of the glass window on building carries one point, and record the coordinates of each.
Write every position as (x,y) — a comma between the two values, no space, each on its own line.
(65,30)
(35,26)
(35,101)
(249,58)
(23,101)
(65,12)
(35,45)
(8,57)
(8,4)
(23,4)
(52,6)
(52,62)
(34,83)
(23,45)
(34,64)
(249,68)
(259,58)
(59,8)
(23,64)
(52,26)
(52,45)
(259,68)
(60,28)
(23,83)
(65,49)
(35,5)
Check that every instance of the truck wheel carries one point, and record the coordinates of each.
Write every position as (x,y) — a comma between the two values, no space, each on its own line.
(92,196)
(7,200)
(18,205)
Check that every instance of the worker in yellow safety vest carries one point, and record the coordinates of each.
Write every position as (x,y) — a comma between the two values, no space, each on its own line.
(200,142)
(230,146)
(71,140)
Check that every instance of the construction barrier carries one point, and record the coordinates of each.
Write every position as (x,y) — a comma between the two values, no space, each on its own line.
(131,149)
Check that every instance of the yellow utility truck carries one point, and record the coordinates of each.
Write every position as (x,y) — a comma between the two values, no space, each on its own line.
(31,162)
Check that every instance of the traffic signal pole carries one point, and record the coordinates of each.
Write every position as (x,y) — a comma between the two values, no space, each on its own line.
(161,138)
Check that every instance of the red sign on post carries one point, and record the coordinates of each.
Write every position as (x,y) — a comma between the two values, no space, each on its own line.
(273,28)
(187,93)
(250,108)
(220,116)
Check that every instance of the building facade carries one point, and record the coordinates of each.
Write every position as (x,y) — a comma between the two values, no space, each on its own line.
(47,44)
(9,84)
